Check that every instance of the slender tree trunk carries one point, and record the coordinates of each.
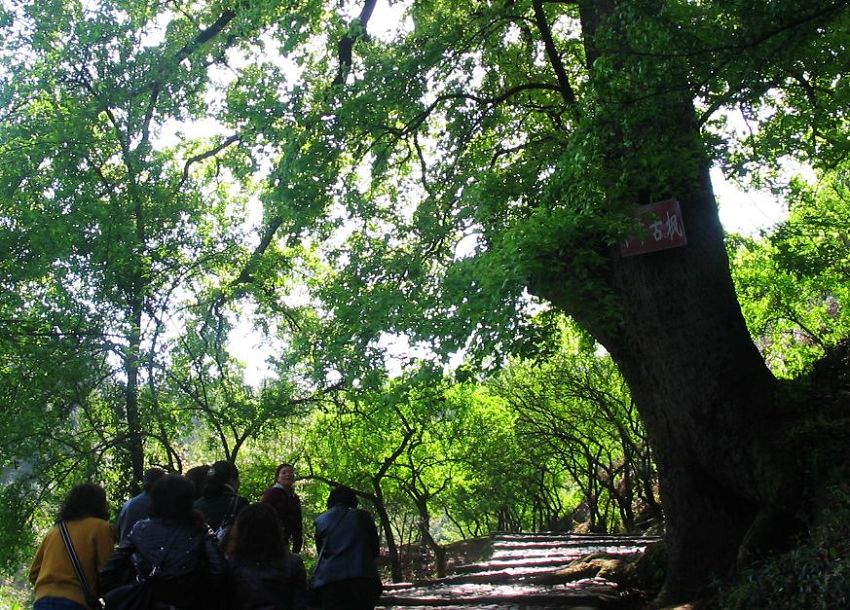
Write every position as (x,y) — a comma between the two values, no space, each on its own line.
(135,443)
(386,526)
(136,298)
(426,539)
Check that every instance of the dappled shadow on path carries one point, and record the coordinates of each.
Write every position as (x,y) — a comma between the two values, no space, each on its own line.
(530,572)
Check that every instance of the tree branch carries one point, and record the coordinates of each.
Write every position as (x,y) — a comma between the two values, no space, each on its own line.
(345,47)
(205,155)
(565,88)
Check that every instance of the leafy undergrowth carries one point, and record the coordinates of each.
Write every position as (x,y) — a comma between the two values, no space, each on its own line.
(815,575)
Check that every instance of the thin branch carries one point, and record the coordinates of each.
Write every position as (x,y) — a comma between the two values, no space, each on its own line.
(205,35)
(205,155)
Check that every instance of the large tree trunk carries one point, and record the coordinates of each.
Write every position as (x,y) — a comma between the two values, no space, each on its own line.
(672,322)
(702,388)
(700,385)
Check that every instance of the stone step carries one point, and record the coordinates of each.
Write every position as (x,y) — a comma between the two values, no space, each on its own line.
(588,593)
(521,543)
(565,535)
(533,562)
(525,572)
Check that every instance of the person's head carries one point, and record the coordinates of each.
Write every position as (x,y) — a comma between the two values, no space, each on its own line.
(151,476)
(172,499)
(285,475)
(221,473)
(198,476)
(342,495)
(84,500)
(256,536)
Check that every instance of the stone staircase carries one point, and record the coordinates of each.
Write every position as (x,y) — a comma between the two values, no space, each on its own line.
(541,571)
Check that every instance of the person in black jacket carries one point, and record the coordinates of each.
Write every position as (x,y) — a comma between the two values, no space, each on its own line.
(220,502)
(264,575)
(190,571)
(346,577)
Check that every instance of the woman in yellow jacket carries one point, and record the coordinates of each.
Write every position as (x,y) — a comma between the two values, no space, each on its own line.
(84,515)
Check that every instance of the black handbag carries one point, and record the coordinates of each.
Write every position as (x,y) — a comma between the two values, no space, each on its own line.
(137,595)
(91,600)
(134,596)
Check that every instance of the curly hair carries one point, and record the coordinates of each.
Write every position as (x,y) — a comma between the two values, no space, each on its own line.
(84,500)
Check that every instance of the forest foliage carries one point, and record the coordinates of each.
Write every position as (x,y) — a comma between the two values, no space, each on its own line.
(193,191)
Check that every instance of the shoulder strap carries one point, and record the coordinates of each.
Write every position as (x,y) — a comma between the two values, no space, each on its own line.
(75,561)
(231,511)
(155,566)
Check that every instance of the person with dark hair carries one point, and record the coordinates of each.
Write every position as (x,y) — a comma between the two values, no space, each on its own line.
(198,476)
(264,575)
(346,577)
(85,517)
(220,502)
(282,497)
(136,508)
(175,549)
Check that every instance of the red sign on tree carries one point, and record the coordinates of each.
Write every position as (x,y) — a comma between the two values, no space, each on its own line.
(661,228)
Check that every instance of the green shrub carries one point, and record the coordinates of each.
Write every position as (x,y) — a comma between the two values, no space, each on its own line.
(803,578)
(812,576)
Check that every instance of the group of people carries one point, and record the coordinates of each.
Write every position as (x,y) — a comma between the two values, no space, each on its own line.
(200,545)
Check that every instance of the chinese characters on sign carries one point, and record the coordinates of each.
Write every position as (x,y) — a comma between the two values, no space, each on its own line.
(661,228)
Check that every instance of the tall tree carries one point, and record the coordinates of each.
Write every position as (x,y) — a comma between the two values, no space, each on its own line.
(120,235)
(510,145)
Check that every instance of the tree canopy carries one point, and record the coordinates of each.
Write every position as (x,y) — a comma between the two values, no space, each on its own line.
(461,182)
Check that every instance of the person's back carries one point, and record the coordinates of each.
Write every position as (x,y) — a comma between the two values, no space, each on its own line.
(346,576)
(190,569)
(256,586)
(348,541)
(220,501)
(264,575)
(137,507)
(84,515)
(182,553)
